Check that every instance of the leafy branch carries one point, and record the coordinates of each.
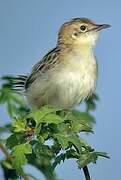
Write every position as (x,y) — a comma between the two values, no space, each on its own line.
(30,130)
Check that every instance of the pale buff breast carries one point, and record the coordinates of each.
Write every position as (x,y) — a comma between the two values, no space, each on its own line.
(76,82)
(67,86)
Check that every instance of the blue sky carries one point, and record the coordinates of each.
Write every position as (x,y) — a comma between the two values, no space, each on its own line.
(28,29)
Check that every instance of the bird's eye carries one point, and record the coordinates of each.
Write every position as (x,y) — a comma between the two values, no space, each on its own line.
(83,28)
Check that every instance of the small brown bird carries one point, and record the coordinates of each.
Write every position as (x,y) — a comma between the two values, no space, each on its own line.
(67,74)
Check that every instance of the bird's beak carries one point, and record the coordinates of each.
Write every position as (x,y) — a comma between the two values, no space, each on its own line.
(99,27)
(102,26)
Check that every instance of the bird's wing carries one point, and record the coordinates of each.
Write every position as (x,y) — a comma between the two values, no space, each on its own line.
(48,62)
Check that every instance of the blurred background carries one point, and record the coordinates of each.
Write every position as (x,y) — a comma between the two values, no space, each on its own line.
(28,29)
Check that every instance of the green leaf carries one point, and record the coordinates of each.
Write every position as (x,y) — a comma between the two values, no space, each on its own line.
(19,152)
(46,114)
(42,150)
(63,127)
(84,160)
(15,139)
(83,116)
(62,140)
(19,125)
(53,118)
(68,155)
(90,157)
(12,141)
(36,115)
(2,97)
(58,160)
(76,127)
(91,103)
(103,154)
(75,140)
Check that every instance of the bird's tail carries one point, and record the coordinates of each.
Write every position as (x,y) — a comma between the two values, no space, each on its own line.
(19,83)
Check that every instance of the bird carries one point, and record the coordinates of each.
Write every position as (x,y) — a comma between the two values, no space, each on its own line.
(67,74)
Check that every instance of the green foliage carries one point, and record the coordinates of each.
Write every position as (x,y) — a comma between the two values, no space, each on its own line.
(30,130)
(18,154)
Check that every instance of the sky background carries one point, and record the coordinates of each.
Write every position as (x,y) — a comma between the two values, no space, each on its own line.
(28,29)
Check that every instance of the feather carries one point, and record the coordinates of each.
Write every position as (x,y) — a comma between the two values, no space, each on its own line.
(19,83)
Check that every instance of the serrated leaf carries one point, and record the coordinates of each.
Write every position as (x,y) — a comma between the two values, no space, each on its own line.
(15,139)
(38,115)
(84,160)
(71,153)
(53,118)
(63,127)
(45,114)
(75,140)
(91,103)
(90,157)
(35,115)
(11,141)
(84,116)
(77,127)
(19,152)
(62,140)
(19,125)
(42,150)
(80,121)
(103,154)
(91,106)
(58,160)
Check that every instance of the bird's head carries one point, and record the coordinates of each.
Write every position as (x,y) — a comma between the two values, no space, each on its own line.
(80,32)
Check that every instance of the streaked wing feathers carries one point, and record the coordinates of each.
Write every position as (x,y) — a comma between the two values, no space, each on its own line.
(48,62)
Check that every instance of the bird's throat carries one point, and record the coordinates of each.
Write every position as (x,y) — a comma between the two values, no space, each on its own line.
(84,51)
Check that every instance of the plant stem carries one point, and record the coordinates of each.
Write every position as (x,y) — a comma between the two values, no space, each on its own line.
(86,173)
(5,151)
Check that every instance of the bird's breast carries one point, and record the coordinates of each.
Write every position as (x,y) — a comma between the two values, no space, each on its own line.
(65,86)
(77,81)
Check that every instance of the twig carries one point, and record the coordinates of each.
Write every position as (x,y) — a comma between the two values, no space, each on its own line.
(86,173)
(5,151)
